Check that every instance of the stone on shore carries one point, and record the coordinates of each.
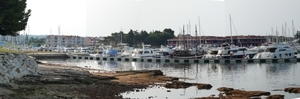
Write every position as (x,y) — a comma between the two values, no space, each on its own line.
(181,84)
(225,89)
(14,66)
(276,96)
(292,90)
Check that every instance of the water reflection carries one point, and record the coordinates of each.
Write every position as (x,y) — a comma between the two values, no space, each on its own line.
(248,76)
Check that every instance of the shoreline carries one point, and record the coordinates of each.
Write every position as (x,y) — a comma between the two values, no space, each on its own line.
(58,81)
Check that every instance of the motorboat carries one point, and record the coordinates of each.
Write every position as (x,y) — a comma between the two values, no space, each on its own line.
(146,51)
(110,53)
(162,54)
(231,51)
(277,51)
(211,53)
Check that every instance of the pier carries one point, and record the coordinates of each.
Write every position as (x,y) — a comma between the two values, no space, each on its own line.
(174,60)
(40,56)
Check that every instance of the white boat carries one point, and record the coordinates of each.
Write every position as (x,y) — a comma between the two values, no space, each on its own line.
(211,53)
(235,52)
(146,51)
(277,51)
(163,52)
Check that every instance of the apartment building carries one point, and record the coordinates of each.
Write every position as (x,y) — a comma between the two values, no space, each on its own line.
(72,41)
(20,39)
(65,40)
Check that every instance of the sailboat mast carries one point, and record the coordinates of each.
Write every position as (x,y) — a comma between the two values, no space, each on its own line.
(183,37)
(293,28)
(196,35)
(285,32)
(272,35)
(199,29)
(231,42)
(277,35)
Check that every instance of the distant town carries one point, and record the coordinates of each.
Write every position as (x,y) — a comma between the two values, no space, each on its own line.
(72,41)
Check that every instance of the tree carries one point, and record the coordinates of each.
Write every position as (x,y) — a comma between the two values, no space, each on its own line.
(13,16)
(297,35)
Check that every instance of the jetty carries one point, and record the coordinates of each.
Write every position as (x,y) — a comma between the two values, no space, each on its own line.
(174,60)
(41,56)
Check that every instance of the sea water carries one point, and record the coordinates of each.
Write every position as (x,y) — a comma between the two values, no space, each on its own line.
(245,76)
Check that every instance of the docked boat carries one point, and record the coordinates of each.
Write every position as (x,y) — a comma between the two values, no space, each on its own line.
(186,54)
(231,51)
(146,51)
(163,52)
(110,53)
(277,51)
(211,53)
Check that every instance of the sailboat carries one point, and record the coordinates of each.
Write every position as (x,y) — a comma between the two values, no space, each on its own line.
(183,52)
(232,51)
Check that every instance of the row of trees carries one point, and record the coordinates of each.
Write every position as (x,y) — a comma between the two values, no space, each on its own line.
(135,38)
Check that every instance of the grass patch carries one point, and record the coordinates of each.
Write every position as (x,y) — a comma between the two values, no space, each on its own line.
(4,50)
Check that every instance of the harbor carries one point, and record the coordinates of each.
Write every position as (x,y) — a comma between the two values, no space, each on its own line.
(273,77)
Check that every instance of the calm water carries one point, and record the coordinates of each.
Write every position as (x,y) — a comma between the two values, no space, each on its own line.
(247,76)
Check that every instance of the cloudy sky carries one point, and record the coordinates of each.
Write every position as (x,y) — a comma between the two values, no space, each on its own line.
(103,17)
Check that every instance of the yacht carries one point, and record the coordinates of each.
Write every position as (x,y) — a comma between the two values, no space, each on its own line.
(146,51)
(211,53)
(231,51)
(277,51)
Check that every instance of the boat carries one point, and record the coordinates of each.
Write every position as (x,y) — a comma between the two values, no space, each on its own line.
(232,51)
(186,54)
(163,52)
(146,51)
(185,50)
(277,51)
(110,53)
(211,53)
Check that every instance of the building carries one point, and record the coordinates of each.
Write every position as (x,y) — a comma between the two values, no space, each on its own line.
(72,41)
(65,40)
(19,40)
(93,41)
(250,40)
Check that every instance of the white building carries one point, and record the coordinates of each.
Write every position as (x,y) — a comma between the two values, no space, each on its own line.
(20,40)
(64,40)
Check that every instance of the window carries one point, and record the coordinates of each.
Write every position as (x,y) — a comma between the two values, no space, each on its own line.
(282,50)
(271,50)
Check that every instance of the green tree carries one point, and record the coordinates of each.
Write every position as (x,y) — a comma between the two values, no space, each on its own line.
(13,16)
(297,35)
(143,36)
(131,36)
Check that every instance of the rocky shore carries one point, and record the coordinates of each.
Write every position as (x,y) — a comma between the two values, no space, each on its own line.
(24,78)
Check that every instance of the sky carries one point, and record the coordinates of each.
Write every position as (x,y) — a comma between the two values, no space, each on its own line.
(103,17)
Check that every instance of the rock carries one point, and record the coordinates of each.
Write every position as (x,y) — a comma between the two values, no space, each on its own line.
(208,98)
(204,86)
(178,84)
(292,90)
(224,89)
(243,93)
(276,96)
(15,66)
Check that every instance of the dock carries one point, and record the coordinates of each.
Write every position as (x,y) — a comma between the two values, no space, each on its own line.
(174,60)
